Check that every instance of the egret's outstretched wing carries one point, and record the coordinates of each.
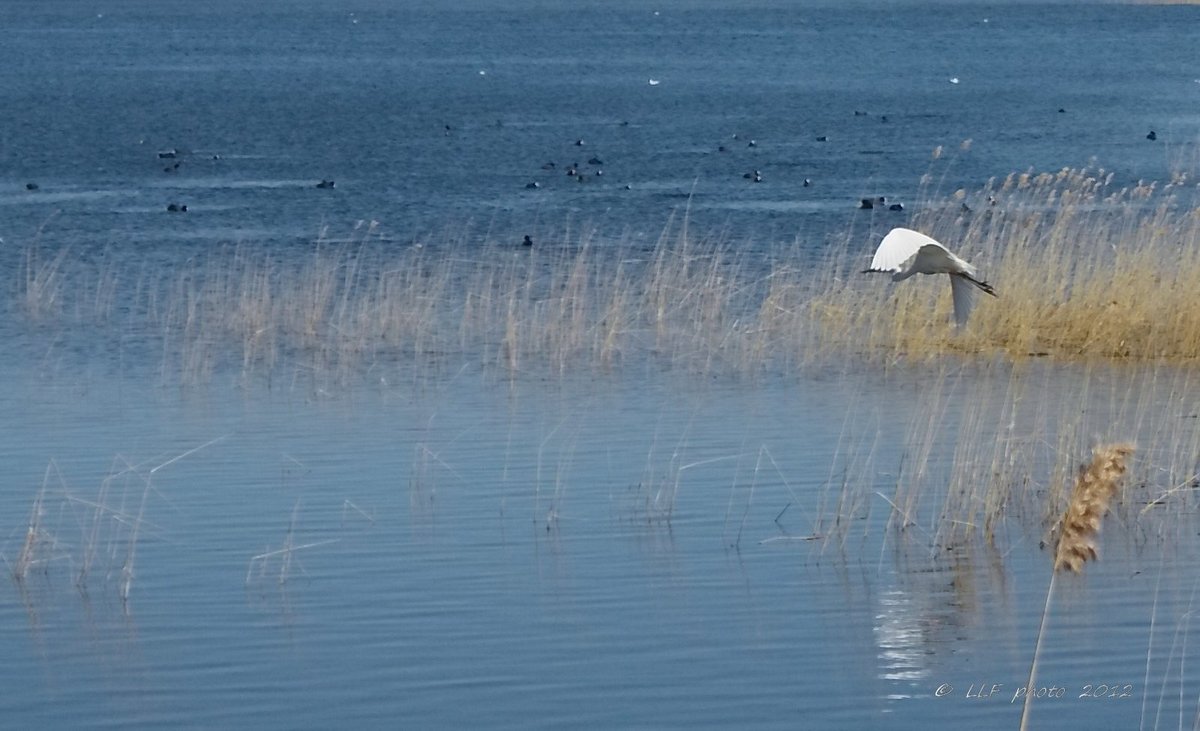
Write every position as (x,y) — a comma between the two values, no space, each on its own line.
(900,245)
(964,292)
(904,253)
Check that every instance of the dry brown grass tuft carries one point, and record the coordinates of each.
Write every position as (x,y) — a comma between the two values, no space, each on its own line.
(1085,270)
(1095,487)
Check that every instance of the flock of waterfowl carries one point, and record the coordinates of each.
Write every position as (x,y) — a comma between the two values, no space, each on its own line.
(174,158)
(581,172)
(593,168)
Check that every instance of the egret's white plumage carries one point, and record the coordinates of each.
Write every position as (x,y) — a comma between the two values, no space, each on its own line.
(904,252)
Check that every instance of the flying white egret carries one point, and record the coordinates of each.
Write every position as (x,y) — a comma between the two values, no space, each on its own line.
(904,252)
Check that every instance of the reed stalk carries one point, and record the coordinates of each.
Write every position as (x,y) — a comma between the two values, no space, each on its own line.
(1095,487)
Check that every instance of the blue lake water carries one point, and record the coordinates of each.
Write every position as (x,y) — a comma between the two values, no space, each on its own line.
(434,542)
(479,553)
(293,93)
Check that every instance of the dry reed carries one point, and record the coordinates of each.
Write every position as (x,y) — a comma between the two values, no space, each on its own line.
(1095,486)
(1087,271)
(287,553)
(109,525)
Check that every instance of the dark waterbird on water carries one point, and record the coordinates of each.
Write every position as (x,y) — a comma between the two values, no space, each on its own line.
(528,241)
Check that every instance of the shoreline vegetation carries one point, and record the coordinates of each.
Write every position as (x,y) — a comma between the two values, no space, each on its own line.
(1090,275)
(1091,278)
(1085,271)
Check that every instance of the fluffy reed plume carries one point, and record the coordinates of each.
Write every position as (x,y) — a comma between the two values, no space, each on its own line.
(1097,483)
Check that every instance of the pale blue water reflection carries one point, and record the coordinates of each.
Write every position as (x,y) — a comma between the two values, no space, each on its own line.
(484,552)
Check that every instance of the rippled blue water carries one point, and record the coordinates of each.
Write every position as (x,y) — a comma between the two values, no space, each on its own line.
(471,549)
(602,554)
(432,118)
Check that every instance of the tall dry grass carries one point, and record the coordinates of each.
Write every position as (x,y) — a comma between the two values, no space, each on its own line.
(1085,271)
(935,457)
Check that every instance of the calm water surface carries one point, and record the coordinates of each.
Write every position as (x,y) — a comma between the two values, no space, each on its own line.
(478,552)
(453,547)
(433,118)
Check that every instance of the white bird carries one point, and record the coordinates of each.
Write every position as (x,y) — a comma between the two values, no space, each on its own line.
(904,252)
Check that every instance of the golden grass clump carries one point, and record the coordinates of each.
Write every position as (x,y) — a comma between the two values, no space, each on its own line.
(1095,487)
(1085,270)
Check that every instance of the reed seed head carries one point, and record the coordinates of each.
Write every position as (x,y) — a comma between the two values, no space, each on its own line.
(1095,487)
